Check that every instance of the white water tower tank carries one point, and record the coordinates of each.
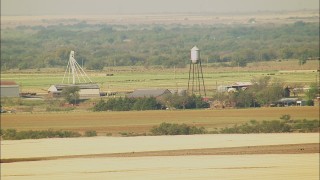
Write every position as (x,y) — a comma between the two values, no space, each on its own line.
(195,55)
(71,54)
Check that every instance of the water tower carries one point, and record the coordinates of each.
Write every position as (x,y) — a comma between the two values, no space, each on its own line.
(195,73)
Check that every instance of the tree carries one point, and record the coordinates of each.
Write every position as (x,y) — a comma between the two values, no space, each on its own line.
(243,98)
(100,106)
(95,65)
(302,60)
(185,101)
(71,94)
(269,91)
(312,92)
(146,104)
(262,92)
(122,45)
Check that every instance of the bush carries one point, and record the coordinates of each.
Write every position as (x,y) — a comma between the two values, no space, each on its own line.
(90,133)
(130,134)
(12,134)
(310,102)
(57,109)
(306,126)
(274,126)
(176,129)
(146,104)
(185,102)
(100,106)
(285,117)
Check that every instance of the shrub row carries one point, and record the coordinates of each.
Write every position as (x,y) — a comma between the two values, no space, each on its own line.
(176,129)
(127,104)
(57,109)
(150,103)
(306,125)
(275,126)
(12,134)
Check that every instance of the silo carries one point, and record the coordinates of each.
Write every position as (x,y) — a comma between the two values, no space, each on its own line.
(195,55)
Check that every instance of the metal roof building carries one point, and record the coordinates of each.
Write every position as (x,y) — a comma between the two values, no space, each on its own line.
(86,90)
(241,85)
(140,93)
(9,89)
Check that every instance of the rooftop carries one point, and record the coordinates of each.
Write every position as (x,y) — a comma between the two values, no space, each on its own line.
(8,83)
(148,93)
(81,86)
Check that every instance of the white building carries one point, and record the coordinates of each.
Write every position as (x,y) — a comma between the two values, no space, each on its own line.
(86,90)
(9,89)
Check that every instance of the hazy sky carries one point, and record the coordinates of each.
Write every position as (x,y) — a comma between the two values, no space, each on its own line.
(87,7)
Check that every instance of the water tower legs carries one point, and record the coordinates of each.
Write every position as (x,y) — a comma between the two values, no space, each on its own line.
(195,79)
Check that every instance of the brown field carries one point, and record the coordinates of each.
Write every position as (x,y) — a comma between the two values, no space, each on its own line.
(187,19)
(143,121)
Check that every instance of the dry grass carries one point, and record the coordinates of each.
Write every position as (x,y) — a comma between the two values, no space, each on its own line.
(143,121)
(206,18)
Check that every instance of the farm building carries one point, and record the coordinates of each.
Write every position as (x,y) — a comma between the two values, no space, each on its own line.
(9,89)
(86,90)
(287,102)
(157,93)
(223,88)
(234,87)
(241,85)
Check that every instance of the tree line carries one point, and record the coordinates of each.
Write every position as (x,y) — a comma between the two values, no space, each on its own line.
(104,45)
(172,101)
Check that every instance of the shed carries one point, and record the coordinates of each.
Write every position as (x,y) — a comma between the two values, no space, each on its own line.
(157,93)
(241,85)
(9,89)
(86,90)
(301,103)
(287,101)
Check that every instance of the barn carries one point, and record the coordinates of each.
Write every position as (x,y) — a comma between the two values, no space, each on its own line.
(157,93)
(88,90)
(241,85)
(9,89)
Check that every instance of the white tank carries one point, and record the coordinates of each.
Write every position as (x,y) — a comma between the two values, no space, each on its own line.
(195,55)
(71,54)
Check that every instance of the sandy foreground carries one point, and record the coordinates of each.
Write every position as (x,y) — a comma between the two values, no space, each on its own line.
(232,144)
(271,149)
(293,156)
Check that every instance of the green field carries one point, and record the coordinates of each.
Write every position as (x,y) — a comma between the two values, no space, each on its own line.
(130,78)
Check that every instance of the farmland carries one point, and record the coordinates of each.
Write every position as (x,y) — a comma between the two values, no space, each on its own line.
(135,77)
(126,79)
(143,121)
(218,68)
(122,53)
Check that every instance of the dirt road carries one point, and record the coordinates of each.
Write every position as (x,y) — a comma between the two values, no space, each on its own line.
(269,149)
